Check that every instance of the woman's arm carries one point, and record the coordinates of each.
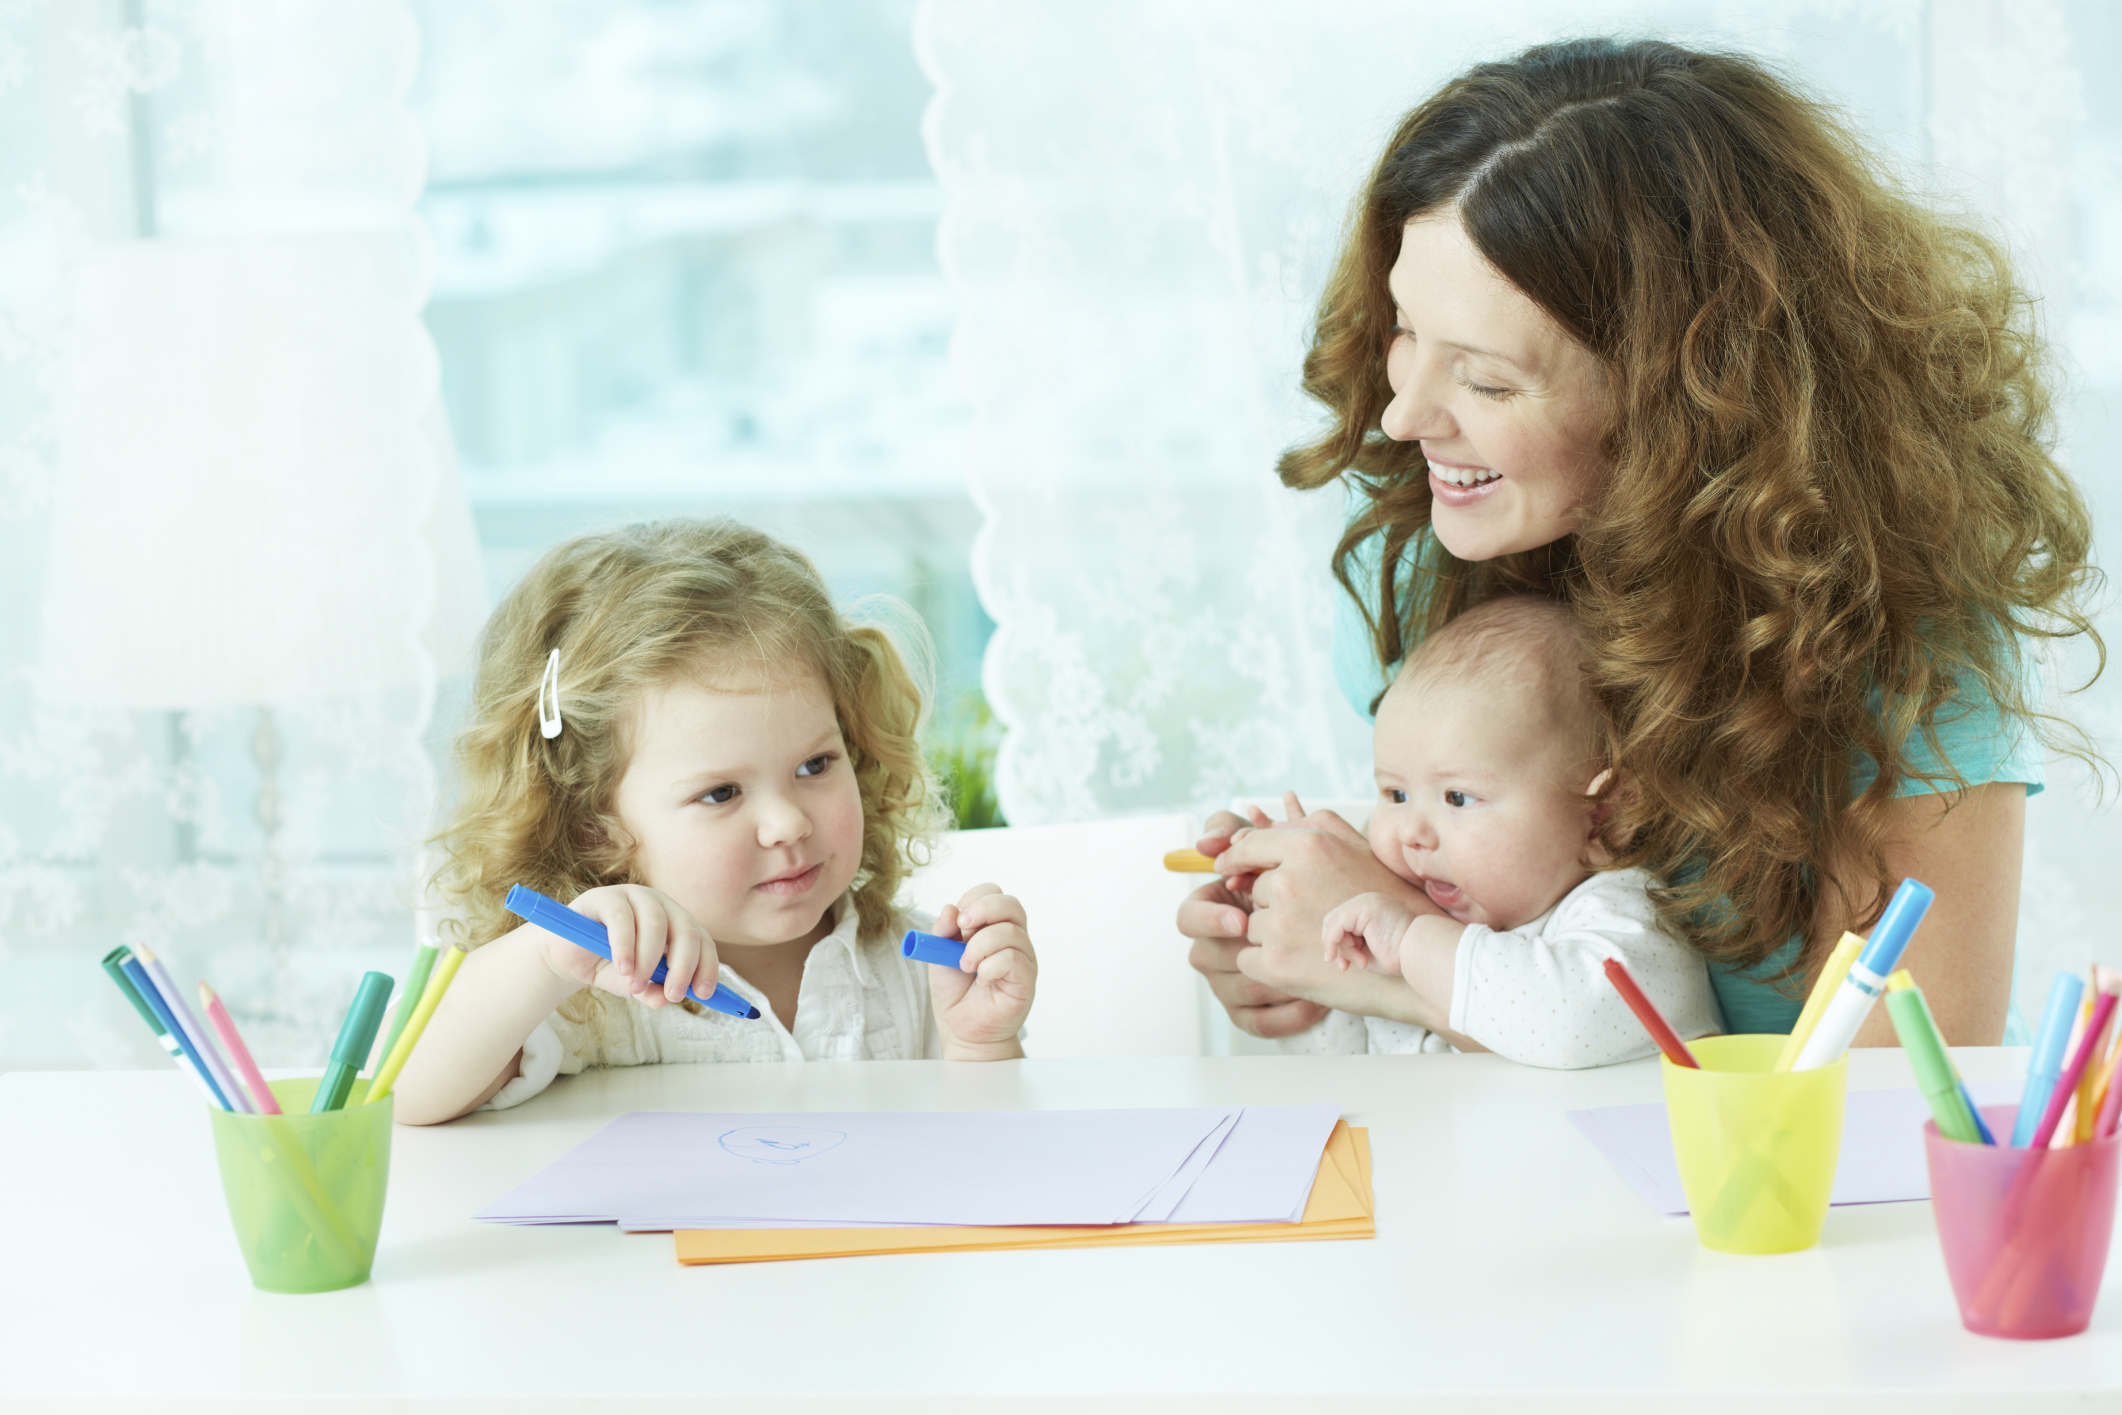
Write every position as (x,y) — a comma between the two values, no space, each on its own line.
(1969,847)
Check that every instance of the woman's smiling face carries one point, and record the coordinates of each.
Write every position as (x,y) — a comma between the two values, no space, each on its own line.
(1510,411)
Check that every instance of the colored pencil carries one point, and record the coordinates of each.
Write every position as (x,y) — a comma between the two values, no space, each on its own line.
(202,1042)
(239,1055)
(1653,1021)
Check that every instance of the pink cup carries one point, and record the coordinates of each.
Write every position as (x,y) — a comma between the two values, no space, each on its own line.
(2025,1231)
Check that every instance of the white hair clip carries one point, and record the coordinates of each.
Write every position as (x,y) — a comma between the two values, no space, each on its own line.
(550,683)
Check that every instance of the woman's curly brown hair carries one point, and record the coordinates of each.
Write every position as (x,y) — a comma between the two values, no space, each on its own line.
(632,610)
(1832,510)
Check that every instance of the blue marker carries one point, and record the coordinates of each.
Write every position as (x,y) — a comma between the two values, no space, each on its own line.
(1852,1001)
(585,932)
(928,948)
(152,996)
(2046,1063)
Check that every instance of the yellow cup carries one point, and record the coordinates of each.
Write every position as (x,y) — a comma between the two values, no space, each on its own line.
(1757,1147)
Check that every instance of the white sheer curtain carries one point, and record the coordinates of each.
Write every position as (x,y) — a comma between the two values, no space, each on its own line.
(232,543)
(1143,201)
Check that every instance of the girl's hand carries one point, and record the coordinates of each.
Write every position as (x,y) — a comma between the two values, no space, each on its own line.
(982,1002)
(1366,931)
(645,925)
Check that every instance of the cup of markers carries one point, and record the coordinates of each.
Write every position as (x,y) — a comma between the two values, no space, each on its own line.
(2024,1224)
(305,1162)
(1757,1119)
(305,1190)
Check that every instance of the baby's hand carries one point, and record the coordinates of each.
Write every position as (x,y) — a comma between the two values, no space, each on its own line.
(644,925)
(984,1000)
(1367,931)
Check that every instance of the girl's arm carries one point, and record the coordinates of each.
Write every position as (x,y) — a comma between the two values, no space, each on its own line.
(1968,846)
(473,1044)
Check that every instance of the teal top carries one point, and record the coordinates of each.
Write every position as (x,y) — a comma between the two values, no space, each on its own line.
(1978,740)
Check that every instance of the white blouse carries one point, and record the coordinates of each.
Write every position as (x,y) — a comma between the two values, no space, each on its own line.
(859,1001)
(1539,994)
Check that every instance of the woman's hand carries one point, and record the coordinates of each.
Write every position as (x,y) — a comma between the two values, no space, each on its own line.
(1301,869)
(644,925)
(1214,917)
(982,1002)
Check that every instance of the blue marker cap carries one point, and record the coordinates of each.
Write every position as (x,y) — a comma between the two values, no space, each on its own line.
(1889,937)
(2046,1064)
(585,932)
(927,948)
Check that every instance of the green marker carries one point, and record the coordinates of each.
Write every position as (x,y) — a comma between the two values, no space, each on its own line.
(1927,1057)
(355,1038)
(415,984)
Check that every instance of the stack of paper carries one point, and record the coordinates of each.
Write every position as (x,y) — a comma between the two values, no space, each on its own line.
(1339,1206)
(655,1170)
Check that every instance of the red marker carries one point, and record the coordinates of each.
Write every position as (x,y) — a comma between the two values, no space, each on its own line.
(1667,1039)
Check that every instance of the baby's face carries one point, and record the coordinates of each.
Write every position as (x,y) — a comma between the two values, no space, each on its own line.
(1476,801)
(742,806)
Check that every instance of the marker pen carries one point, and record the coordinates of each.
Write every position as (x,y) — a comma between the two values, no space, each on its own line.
(1932,1065)
(145,987)
(929,948)
(1866,979)
(585,932)
(112,962)
(356,1035)
(2046,1063)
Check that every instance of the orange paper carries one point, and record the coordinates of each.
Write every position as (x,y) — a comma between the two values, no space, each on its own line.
(1339,1207)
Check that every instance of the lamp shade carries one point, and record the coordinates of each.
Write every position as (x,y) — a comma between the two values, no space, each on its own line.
(253,494)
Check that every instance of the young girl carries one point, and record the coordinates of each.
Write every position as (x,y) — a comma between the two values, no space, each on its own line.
(674,732)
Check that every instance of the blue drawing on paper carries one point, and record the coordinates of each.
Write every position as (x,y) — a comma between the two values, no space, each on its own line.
(779,1144)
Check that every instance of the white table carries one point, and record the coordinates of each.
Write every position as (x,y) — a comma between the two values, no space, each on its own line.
(1511,1266)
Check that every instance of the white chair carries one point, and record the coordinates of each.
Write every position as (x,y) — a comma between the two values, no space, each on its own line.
(1113,975)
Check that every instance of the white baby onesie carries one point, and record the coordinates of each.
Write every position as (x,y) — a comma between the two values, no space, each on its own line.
(859,1001)
(1538,993)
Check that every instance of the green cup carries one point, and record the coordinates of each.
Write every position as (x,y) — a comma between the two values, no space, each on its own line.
(305,1192)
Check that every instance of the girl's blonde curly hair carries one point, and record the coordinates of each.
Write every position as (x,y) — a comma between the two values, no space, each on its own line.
(633,610)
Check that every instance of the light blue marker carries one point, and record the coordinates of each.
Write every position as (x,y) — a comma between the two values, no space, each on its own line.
(1866,979)
(2046,1063)
(585,932)
(928,948)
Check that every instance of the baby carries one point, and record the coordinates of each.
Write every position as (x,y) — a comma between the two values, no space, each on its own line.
(1488,766)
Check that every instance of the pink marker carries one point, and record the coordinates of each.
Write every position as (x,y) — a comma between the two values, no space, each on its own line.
(217,1017)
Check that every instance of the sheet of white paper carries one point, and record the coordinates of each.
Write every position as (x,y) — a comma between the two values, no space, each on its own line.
(865,1168)
(1264,1172)
(1268,1176)
(1882,1145)
(1157,1208)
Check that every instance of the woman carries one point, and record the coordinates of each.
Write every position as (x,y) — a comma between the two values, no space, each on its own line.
(1641,328)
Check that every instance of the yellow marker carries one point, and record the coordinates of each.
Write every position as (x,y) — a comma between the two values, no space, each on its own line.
(438,984)
(1830,982)
(1189,862)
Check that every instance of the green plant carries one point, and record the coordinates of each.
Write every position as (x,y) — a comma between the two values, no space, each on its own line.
(962,746)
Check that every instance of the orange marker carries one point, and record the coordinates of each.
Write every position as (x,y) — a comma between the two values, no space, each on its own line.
(1189,862)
